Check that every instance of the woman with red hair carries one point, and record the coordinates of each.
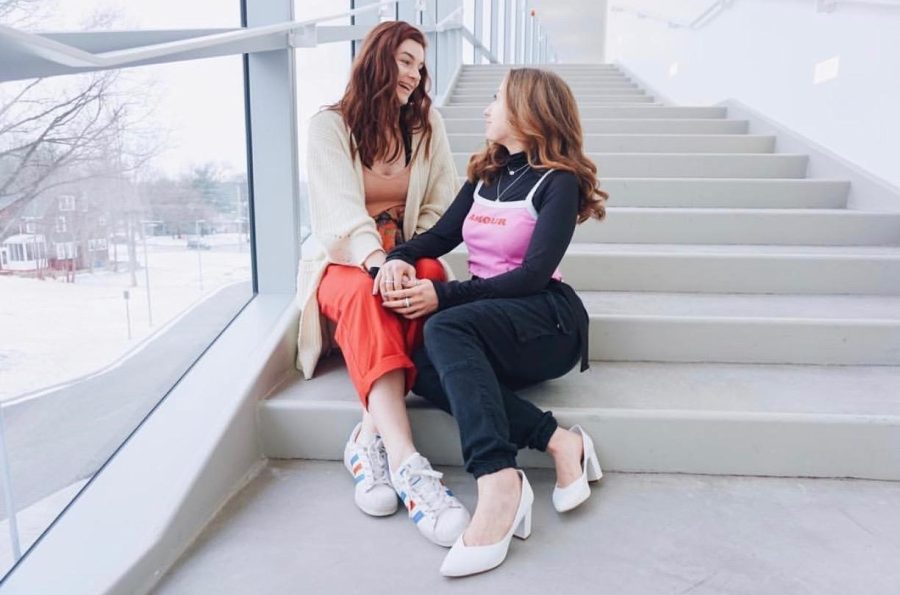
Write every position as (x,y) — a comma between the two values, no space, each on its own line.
(380,172)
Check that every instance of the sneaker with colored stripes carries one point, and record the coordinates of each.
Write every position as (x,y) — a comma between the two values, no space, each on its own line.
(437,513)
(368,464)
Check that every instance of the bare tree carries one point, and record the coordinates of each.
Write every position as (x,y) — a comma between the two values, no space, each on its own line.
(51,137)
(22,13)
(59,131)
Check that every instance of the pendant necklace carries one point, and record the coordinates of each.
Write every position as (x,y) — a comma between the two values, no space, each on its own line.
(511,172)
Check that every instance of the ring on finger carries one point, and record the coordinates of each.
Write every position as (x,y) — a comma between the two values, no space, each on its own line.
(407,302)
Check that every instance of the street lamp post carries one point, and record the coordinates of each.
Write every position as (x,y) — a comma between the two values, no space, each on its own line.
(200,252)
(147,269)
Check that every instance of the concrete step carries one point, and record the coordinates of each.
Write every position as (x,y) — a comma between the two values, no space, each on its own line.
(794,227)
(768,329)
(750,193)
(647,143)
(738,269)
(672,165)
(625,126)
(584,101)
(592,112)
(729,419)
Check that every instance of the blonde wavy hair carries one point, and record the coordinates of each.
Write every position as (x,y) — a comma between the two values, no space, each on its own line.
(542,111)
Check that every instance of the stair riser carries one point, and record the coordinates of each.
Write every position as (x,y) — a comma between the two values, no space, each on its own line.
(615,165)
(566,73)
(728,194)
(624,126)
(487,92)
(751,274)
(593,111)
(567,76)
(642,226)
(594,88)
(779,194)
(583,101)
(638,441)
(501,70)
(649,144)
(746,341)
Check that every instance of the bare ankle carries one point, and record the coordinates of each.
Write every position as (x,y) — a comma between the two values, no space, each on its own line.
(560,441)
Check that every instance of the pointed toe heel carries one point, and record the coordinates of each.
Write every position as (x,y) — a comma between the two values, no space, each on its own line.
(574,494)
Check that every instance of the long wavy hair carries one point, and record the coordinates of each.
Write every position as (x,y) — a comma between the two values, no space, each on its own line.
(542,111)
(370,108)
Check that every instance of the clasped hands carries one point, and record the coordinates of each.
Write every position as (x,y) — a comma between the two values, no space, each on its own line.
(402,292)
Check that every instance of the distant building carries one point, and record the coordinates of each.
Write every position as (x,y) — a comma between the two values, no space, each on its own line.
(63,232)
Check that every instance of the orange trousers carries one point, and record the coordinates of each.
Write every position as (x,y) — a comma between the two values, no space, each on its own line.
(373,339)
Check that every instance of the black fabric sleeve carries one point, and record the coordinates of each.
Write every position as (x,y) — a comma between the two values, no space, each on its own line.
(444,236)
(553,232)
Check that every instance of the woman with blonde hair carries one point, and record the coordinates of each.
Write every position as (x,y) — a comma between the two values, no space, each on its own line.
(380,172)
(515,323)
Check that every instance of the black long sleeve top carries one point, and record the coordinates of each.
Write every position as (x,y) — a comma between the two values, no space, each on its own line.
(556,202)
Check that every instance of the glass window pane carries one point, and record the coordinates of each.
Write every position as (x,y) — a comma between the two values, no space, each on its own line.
(322,74)
(126,230)
(89,15)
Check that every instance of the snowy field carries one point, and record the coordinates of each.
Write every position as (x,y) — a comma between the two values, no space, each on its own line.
(52,332)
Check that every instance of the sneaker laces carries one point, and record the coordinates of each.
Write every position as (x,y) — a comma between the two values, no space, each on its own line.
(377,462)
(430,491)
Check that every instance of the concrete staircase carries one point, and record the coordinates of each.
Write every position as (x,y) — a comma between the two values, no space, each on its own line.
(743,320)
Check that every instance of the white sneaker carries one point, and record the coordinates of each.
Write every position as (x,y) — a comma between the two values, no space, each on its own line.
(368,463)
(437,513)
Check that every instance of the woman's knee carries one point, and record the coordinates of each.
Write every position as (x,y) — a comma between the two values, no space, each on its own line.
(430,268)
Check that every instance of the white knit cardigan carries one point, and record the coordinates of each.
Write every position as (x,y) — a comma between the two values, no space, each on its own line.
(342,230)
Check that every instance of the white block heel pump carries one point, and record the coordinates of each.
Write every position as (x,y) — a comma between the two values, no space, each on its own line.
(569,497)
(463,560)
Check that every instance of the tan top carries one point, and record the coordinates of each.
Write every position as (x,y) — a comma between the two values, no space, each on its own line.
(385,191)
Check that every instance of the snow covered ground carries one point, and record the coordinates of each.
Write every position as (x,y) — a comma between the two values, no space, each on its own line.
(53,332)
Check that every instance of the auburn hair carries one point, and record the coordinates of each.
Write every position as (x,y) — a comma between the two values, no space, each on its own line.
(543,113)
(370,108)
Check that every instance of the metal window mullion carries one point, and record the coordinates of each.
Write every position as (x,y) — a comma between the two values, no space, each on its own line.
(532,39)
(272,161)
(478,27)
(429,18)
(507,31)
(495,17)
(521,32)
(449,45)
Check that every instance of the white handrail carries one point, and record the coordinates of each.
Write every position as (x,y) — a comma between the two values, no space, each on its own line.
(713,10)
(74,57)
(299,34)
(719,6)
(830,5)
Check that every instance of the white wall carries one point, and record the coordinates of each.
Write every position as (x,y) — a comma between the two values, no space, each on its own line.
(764,53)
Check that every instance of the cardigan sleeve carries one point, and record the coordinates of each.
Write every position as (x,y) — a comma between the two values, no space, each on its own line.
(338,216)
(442,176)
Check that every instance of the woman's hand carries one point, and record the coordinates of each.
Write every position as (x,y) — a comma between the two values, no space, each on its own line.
(391,276)
(417,299)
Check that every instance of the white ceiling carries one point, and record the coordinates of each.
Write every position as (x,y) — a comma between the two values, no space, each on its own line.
(576,28)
